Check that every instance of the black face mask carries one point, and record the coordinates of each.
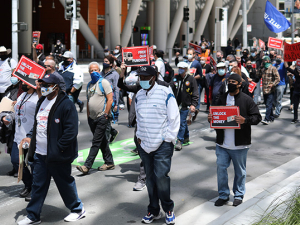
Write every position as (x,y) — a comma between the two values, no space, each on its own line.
(249,66)
(278,61)
(219,59)
(3,57)
(66,63)
(24,87)
(232,87)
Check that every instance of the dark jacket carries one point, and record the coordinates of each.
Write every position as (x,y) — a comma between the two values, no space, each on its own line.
(297,78)
(62,131)
(248,110)
(185,90)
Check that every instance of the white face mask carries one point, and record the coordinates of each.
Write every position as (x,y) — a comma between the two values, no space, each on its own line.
(46,91)
(106,53)
(116,51)
(190,56)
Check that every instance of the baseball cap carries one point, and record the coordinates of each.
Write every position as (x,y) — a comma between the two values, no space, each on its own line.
(221,64)
(146,71)
(39,46)
(50,79)
(182,65)
(68,54)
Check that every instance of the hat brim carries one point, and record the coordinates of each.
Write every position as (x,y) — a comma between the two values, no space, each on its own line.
(145,74)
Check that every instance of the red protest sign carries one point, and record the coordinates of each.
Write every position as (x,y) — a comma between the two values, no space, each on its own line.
(213,63)
(261,44)
(275,43)
(298,62)
(151,50)
(29,71)
(196,47)
(136,56)
(291,52)
(223,117)
(36,37)
(251,86)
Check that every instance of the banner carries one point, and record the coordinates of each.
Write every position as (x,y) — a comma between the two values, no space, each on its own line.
(36,37)
(223,117)
(136,56)
(29,71)
(275,43)
(251,86)
(261,44)
(291,52)
(196,47)
(213,63)
(275,20)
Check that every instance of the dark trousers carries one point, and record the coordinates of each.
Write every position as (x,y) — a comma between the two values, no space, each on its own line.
(296,97)
(65,183)
(268,99)
(157,165)
(27,176)
(100,128)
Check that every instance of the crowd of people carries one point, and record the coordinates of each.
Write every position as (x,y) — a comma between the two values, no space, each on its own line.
(161,105)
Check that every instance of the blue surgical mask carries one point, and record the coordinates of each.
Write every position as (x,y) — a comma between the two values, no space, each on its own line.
(145,84)
(95,76)
(253,54)
(229,68)
(181,71)
(221,72)
(105,65)
(14,80)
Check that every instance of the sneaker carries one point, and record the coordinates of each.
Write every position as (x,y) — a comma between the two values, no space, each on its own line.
(28,221)
(25,192)
(170,217)
(83,169)
(135,151)
(121,106)
(28,198)
(221,202)
(178,145)
(292,111)
(106,167)
(139,185)
(81,107)
(195,116)
(237,202)
(265,122)
(150,217)
(75,216)
(294,121)
(186,140)
(16,175)
(113,136)
(276,116)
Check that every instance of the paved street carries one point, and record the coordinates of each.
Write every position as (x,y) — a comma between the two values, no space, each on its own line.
(108,197)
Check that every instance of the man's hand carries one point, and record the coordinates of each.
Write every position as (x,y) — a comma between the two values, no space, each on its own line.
(6,122)
(239,119)
(249,79)
(34,45)
(123,69)
(209,117)
(192,108)
(25,140)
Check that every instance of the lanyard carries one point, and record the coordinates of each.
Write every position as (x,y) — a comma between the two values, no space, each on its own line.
(24,100)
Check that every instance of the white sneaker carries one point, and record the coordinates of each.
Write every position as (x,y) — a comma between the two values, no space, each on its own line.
(75,216)
(27,221)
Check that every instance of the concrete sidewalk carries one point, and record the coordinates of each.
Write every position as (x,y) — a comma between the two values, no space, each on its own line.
(276,185)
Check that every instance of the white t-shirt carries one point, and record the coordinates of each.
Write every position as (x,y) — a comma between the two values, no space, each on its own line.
(160,66)
(229,137)
(24,115)
(5,74)
(42,125)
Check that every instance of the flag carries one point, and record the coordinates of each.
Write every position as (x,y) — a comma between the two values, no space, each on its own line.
(275,20)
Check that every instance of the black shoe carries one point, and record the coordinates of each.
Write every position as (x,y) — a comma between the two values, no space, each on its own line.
(178,145)
(237,202)
(294,121)
(186,140)
(81,106)
(195,116)
(16,175)
(25,192)
(276,116)
(28,198)
(221,202)
(11,173)
(113,136)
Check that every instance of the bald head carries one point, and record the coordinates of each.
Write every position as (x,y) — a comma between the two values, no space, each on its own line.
(50,66)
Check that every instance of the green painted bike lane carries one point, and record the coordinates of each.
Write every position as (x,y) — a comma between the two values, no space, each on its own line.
(121,151)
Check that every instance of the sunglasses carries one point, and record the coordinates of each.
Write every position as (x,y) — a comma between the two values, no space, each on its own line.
(47,66)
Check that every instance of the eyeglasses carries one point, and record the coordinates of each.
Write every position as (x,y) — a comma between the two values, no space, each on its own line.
(47,66)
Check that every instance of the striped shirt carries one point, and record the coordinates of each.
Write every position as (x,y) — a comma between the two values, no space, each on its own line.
(157,117)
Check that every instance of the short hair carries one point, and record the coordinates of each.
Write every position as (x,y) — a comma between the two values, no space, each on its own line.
(236,70)
(51,62)
(159,54)
(248,59)
(50,56)
(192,50)
(234,61)
(220,52)
(110,59)
(93,63)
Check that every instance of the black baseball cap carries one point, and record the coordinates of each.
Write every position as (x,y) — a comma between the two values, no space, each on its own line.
(50,79)
(146,71)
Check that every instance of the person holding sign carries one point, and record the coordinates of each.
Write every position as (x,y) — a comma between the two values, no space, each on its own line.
(233,145)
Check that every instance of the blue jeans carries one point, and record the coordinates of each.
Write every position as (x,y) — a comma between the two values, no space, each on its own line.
(268,98)
(27,176)
(157,165)
(65,183)
(238,158)
(278,98)
(200,88)
(183,130)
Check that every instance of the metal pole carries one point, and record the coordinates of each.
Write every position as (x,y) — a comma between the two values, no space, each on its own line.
(187,29)
(73,32)
(245,45)
(216,23)
(131,33)
(293,25)
(14,28)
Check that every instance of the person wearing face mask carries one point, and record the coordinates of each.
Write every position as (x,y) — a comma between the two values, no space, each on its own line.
(7,64)
(233,144)
(270,78)
(106,51)
(216,82)
(159,62)
(72,75)
(220,56)
(253,77)
(23,119)
(99,103)
(206,69)
(53,147)
(245,56)
(204,49)
(158,122)
(280,86)
(185,89)
(117,55)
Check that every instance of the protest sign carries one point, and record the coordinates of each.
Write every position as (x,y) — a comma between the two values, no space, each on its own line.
(251,86)
(136,56)
(7,105)
(213,63)
(196,47)
(298,62)
(151,50)
(193,71)
(291,52)
(29,71)
(275,43)
(36,37)
(223,117)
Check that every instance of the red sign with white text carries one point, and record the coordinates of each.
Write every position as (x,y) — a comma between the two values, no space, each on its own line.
(29,71)
(36,37)
(136,56)
(196,47)
(223,117)
(298,62)
(275,43)
(193,71)
(252,86)
(291,52)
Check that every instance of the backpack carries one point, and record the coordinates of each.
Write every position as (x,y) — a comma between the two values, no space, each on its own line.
(169,72)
